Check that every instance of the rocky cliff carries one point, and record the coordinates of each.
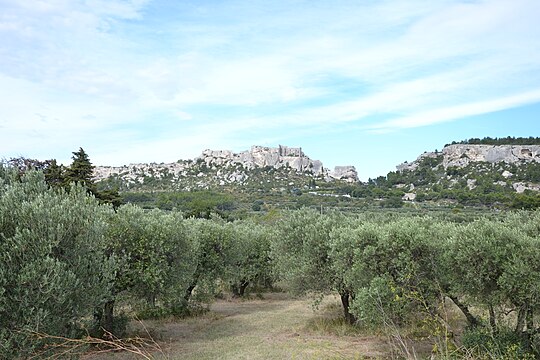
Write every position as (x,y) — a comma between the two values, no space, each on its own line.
(461,155)
(222,167)
(260,156)
(498,168)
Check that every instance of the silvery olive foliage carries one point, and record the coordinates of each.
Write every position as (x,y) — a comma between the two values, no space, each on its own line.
(212,240)
(403,270)
(248,260)
(156,254)
(66,260)
(308,259)
(53,267)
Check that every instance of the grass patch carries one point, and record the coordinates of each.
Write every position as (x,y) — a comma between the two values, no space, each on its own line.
(329,320)
(276,327)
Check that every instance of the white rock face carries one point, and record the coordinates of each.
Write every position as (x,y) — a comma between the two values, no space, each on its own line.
(282,156)
(520,187)
(413,165)
(261,156)
(409,197)
(133,172)
(506,174)
(347,173)
(256,157)
(461,155)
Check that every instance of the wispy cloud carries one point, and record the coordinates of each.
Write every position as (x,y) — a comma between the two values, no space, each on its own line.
(457,112)
(209,74)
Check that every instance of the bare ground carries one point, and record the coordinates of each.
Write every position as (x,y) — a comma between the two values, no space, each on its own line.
(276,327)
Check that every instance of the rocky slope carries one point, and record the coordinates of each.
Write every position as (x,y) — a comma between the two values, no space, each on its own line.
(460,155)
(278,167)
(485,169)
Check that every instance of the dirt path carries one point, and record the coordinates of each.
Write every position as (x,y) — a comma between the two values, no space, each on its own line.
(275,327)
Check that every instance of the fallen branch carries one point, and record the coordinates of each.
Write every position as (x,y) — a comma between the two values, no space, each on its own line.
(59,346)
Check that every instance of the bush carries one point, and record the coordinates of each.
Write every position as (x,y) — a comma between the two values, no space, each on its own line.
(53,267)
(506,344)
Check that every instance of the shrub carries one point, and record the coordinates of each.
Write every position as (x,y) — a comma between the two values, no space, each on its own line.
(505,344)
(53,267)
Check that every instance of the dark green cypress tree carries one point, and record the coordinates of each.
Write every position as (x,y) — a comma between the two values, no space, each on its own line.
(81,170)
(110,196)
(54,174)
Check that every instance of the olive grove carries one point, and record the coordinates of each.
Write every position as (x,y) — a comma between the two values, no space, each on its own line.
(70,264)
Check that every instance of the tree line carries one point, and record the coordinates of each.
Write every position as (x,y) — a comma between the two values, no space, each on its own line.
(393,272)
(509,140)
(80,171)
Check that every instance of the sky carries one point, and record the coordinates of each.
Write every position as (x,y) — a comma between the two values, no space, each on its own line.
(364,83)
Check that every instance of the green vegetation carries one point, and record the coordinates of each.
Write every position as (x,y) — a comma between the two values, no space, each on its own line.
(155,261)
(70,265)
(80,172)
(478,186)
(54,268)
(399,273)
(73,264)
(236,192)
(200,204)
(509,140)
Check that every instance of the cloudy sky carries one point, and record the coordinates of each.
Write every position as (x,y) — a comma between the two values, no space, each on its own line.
(365,83)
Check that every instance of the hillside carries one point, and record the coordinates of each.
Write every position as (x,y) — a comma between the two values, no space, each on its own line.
(472,175)
(260,168)
(462,174)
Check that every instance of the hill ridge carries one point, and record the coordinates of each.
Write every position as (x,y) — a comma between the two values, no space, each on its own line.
(224,167)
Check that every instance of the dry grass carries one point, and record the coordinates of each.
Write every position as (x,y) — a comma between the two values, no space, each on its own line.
(276,327)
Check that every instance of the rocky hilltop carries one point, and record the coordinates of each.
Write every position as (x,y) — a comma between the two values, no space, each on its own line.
(260,156)
(487,169)
(462,155)
(223,167)
(461,175)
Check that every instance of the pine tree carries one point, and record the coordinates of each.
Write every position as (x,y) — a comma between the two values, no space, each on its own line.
(110,196)
(54,174)
(81,170)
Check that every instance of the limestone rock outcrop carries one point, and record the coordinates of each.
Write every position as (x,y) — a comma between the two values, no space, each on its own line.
(413,165)
(461,155)
(135,172)
(347,173)
(229,167)
(261,156)
(481,159)
(520,187)
(409,197)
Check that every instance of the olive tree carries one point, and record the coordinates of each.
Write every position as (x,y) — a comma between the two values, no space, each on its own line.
(477,257)
(248,259)
(347,241)
(211,240)
(303,255)
(53,267)
(156,256)
(394,271)
(495,265)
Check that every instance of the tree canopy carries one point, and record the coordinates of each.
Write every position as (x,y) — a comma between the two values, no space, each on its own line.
(509,140)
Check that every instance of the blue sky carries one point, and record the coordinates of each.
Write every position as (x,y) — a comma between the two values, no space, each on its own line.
(364,83)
